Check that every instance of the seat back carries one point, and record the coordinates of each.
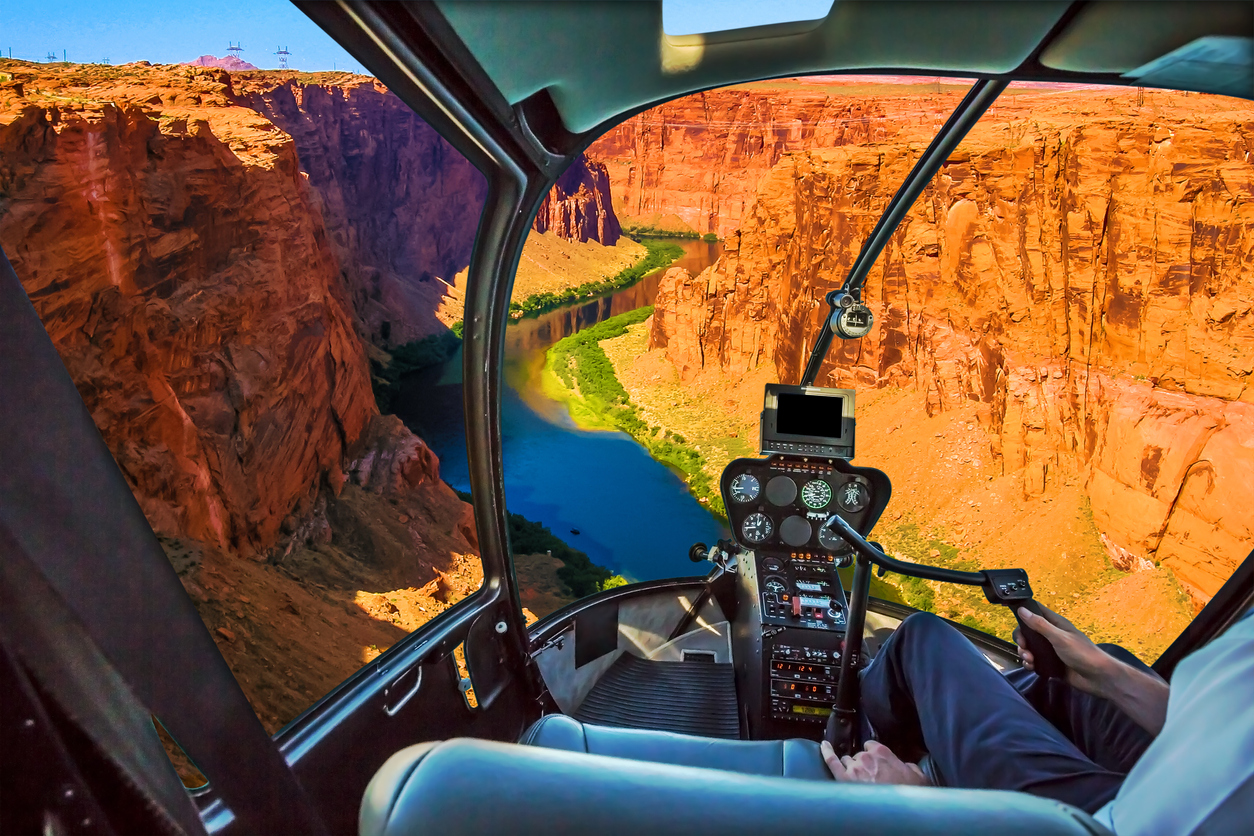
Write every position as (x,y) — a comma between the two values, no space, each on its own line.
(468,787)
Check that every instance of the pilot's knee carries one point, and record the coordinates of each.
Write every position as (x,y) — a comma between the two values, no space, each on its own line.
(924,624)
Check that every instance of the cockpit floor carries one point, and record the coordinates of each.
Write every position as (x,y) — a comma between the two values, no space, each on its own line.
(691,697)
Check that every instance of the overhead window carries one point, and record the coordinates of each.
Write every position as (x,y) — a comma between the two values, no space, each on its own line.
(699,17)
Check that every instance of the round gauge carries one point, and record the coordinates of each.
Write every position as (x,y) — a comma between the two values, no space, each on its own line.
(832,541)
(745,488)
(775,585)
(773,564)
(757,528)
(816,494)
(853,497)
(795,531)
(781,490)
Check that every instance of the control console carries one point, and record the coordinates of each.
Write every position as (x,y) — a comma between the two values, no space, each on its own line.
(802,682)
(801,589)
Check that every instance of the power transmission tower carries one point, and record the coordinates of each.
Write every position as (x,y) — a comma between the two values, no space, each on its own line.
(235,49)
(282,53)
(50,57)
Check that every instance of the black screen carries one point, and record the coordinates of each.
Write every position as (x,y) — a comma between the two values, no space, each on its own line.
(813,415)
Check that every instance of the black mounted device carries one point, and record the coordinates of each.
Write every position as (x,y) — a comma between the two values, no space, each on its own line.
(807,421)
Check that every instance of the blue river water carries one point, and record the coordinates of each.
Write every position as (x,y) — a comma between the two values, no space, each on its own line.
(632,514)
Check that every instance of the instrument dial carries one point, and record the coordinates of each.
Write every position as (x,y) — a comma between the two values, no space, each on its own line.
(853,497)
(775,585)
(757,528)
(832,541)
(816,494)
(745,488)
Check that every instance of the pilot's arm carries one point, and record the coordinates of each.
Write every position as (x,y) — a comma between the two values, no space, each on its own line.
(1140,695)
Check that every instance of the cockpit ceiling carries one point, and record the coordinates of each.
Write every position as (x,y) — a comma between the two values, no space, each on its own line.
(604,59)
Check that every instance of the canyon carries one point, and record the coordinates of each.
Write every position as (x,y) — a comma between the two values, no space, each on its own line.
(216,256)
(692,165)
(1076,279)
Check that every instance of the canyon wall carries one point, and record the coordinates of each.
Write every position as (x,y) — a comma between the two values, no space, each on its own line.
(174,252)
(693,164)
(578,207)
(1081,268)
(208,251)
(401,206)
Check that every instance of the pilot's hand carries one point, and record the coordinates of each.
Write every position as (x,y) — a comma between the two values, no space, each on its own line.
(1087,665)
(876,765)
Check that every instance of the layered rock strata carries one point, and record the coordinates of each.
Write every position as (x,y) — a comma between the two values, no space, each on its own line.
(177,258)
(1080,268)
(694,163)
(578,207)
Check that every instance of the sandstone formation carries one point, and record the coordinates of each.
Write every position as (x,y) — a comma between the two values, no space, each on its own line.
(697,160)
(207,251)
(401,205)
(1080,268)
(175,254)
(578,207)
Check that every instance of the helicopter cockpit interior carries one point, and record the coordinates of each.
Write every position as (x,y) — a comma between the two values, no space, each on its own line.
(693,704)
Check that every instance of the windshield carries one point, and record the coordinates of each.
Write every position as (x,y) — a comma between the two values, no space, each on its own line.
(1053,381)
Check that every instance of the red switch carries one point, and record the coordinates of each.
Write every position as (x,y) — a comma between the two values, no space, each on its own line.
(796,606)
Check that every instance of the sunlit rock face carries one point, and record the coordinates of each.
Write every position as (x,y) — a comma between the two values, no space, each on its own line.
(1081,267)
(693,164)
(578,207)
(177,258)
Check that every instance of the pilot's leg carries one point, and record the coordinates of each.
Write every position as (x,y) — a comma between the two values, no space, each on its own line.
(930,688)
(1096,726)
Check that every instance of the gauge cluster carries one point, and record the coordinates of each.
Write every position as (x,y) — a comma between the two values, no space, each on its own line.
(782,502)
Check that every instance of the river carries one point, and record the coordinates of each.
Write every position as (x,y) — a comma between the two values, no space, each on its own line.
(633,514)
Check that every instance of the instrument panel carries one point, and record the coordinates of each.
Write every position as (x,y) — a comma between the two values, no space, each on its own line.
(781,502)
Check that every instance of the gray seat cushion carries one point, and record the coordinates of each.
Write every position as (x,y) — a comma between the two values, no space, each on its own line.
(464,787)
(781,758)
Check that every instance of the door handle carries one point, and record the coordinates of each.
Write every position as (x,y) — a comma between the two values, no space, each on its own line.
(400,691)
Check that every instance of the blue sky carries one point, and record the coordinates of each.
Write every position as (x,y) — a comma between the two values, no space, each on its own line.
(166,32)
(173,31)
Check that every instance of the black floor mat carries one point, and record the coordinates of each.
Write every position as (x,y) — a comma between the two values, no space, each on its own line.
(686,697)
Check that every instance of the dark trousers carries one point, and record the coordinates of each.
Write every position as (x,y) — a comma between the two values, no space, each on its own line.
(930,690)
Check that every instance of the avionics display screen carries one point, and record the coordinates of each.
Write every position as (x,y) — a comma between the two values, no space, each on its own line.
(812,415)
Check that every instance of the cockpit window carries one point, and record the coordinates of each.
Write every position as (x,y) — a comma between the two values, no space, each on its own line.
(248,274)
(1054,377)
(618,418)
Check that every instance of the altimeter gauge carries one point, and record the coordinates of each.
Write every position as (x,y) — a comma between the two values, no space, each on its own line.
(816,494)
(745,488)
(757,528)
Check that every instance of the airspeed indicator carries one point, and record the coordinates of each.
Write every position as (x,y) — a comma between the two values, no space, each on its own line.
(816,494)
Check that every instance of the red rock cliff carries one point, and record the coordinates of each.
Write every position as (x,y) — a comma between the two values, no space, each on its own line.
(401,205)
(697,160)
(1081,266)
(578,207)
(177,258)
